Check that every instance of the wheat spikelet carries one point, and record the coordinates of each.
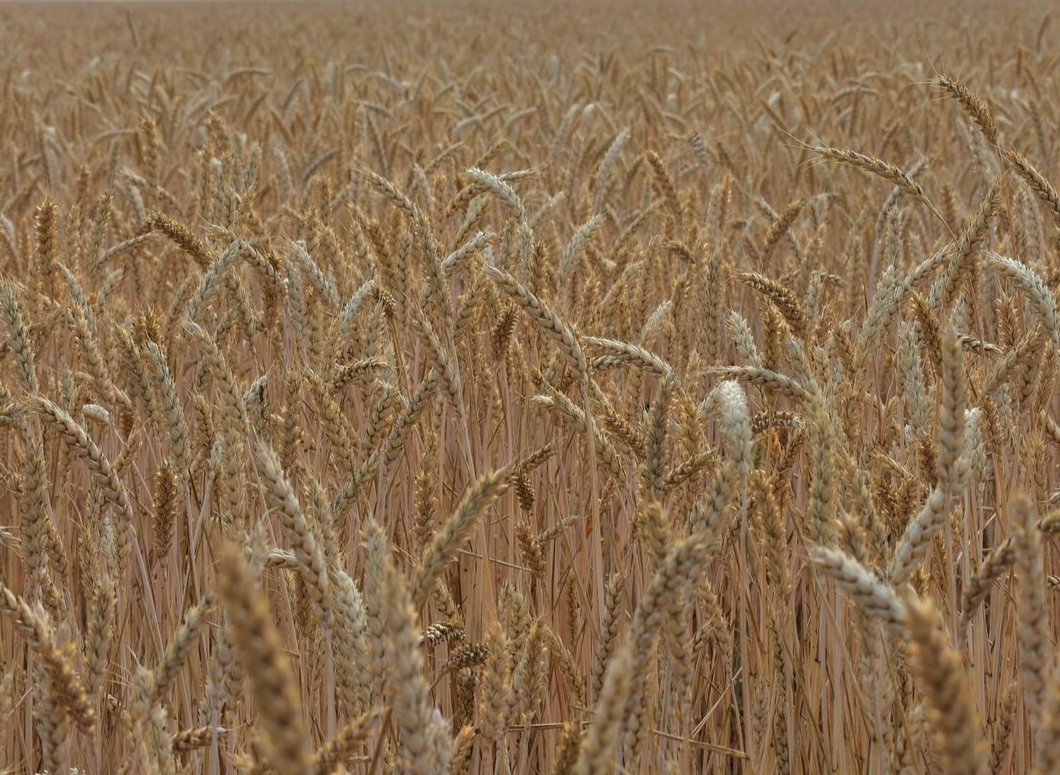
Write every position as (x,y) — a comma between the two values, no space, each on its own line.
(182,236)
(20,341)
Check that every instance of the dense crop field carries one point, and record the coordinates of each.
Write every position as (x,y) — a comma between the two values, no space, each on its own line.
(529,388)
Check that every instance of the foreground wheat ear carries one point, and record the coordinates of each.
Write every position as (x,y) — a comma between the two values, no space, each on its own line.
(441,389)
(260,649)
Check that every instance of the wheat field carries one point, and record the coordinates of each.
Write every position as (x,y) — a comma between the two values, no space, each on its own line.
(527,388)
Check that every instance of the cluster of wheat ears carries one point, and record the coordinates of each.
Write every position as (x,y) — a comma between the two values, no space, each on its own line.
(491,410)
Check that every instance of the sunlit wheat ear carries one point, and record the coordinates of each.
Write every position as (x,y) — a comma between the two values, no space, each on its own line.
(996,566)
(735,425)
(100,635)
(678,574)
(500,188)
(46,233)
(782,298)
(352,653)
(115,494)
(165,506)
(782,223)
(767,379)
(172,413)
(563,404)
(961,264)
(666,184)
(183,237)
(656,423)
(496,693)
(211,284)
(609,631)
(821,512)
(551,324)
(216,366)
(33,502)
(626,352)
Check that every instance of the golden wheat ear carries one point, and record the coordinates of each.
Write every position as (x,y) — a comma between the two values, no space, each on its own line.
(260,650)
(940,674)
